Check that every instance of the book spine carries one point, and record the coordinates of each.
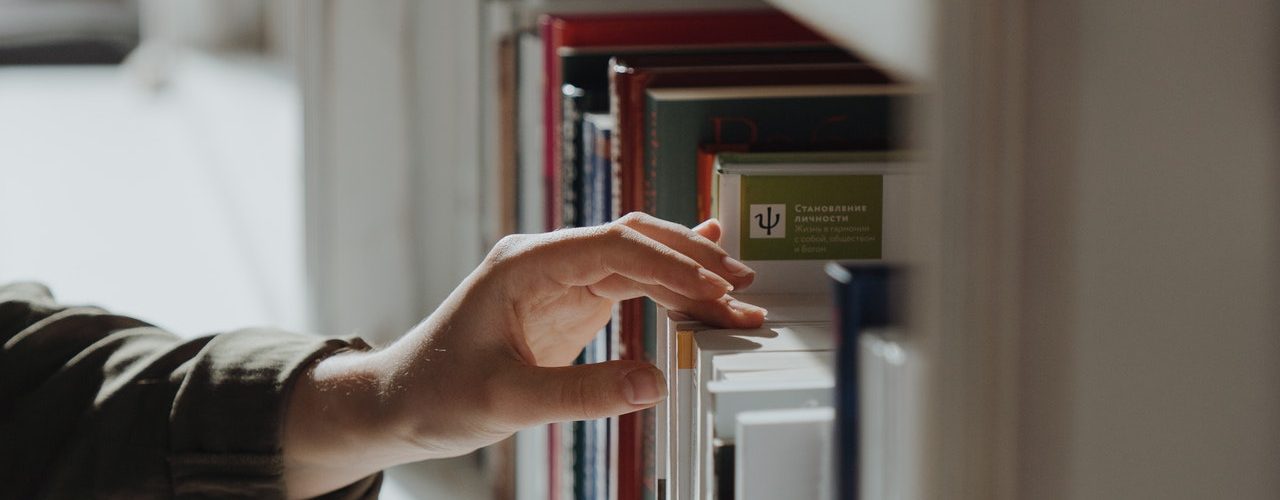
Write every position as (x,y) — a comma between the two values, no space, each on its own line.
(590,195)
(602,177)
(706,166)
(755,26)
(728,209)
(570,157)
(551,111)
(683,417)
(862,298)
(634,145)
(508,137)
(553,461)
(629,462)
(653,146)
(610,183)
(724,468)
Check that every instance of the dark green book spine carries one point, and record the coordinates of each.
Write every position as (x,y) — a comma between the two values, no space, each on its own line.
(675,128)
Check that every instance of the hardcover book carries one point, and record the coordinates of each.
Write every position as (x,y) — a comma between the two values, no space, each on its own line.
(865,296)
(679,120)
(787,214)
(633,76)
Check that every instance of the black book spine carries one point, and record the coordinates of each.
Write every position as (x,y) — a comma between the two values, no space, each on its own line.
(571,156)
(863,301)
(724,469)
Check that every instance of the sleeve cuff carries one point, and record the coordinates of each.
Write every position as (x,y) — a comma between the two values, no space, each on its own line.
(227,418)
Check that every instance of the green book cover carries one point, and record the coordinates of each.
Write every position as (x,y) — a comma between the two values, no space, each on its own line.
(848,117)
(804,205)
(826,217)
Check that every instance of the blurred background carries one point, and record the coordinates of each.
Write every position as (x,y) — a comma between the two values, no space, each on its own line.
(152,158)
(151,162)
(1096,233)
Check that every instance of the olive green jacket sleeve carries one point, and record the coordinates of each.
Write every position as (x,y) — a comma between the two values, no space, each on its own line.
(95,405)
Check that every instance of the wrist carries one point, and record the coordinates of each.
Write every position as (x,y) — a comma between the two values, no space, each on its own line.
(334,432)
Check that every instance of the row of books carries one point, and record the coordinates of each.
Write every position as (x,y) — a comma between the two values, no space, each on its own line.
(757,413)
(745,116)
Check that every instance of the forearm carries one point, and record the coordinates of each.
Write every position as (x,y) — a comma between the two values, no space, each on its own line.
(338,426)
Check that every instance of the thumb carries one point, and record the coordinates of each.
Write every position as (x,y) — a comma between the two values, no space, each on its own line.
(584,392)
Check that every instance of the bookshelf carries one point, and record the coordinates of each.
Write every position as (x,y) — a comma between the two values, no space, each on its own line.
(1043,246)
(506,16)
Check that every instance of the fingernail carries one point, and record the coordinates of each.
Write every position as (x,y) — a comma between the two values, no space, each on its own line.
(714,278)
(744,307)
(737,268)
(645,386)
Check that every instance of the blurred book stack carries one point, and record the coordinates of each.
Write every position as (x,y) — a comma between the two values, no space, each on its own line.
(746,116)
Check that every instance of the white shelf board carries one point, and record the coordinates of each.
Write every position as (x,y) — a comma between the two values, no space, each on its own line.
(894,34)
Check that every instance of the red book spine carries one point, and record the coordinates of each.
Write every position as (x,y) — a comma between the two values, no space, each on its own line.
(550,123)
(629,425)
(684,28)
(633,159)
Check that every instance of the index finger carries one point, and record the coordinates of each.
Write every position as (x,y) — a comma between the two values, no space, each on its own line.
(581,257)
(689,242)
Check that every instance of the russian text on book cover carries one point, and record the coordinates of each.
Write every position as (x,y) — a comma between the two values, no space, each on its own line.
(811,217)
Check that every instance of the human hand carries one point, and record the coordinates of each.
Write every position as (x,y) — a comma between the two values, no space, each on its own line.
(493,358)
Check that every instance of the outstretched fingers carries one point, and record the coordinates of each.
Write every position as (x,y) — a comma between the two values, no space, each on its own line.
(580,257)
(698,243)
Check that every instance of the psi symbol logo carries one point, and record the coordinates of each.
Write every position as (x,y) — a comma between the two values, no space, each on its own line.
(768,221)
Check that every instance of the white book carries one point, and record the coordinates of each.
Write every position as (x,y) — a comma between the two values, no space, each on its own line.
(532,199)
(770,361)
(674,431)
(784,454)
(797,388)
(889,395)
(787,214)
(709,343)
(532,472)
